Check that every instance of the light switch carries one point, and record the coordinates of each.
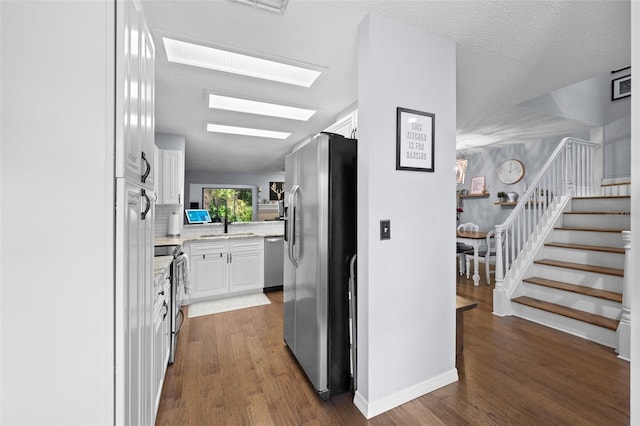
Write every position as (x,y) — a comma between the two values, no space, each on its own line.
(385,229)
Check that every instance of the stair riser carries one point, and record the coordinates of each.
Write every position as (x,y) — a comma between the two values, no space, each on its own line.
(607,221)
(587,279)
(606,239)
(593,305)
(585,257)
(601,204)
(568,325)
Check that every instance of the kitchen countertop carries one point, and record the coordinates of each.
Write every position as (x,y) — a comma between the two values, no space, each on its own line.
(181,240)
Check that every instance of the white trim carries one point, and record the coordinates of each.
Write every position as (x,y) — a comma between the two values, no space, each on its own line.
(372,409)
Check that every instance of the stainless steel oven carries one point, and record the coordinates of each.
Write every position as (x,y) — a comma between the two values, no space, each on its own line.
(179,272)
(178,275)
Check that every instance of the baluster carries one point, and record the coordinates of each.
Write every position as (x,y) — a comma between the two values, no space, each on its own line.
(590,170)
(582,171)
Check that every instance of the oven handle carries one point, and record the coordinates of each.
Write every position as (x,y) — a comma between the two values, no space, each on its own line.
(181,314)
(166,307)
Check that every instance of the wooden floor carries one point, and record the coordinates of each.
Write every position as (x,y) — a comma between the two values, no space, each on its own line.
(234,369)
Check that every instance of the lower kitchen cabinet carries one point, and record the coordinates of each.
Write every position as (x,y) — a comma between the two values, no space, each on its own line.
(225,267)
(209,269)
(246,268)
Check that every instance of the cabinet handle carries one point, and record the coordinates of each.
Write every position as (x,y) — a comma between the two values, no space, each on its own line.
(143,179)
(148,207)
(230,257)
(203,256)
(179,202)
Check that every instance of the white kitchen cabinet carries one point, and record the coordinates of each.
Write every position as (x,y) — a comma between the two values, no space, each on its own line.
(209,268)
(225,267)
(134,115)
(134,95)
(134,303)
(246,264)
(170,179)
(347,126)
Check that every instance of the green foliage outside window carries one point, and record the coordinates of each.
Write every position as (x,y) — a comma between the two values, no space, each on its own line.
(236,203)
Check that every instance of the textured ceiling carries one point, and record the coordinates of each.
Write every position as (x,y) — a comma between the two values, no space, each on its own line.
(507,53)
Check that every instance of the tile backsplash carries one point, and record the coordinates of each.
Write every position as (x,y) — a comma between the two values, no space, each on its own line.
(163,211)
(162,225)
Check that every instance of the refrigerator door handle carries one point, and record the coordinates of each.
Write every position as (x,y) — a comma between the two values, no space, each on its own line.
(292,225)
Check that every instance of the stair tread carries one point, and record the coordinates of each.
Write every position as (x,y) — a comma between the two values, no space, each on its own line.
(619,250)
(582,267)
(566,311)
(603,196)
(574,288)
(578,228)
(608,213)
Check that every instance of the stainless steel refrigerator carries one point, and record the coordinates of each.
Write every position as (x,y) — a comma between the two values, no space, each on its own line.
(320,242)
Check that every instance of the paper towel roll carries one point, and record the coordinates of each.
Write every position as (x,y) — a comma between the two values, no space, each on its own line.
(174,224)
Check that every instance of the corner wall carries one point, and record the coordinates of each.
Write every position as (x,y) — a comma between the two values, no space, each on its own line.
(635,218)
(406,285)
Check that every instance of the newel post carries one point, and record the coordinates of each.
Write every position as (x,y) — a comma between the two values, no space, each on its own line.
(624,328)
(570,182)
(500,302)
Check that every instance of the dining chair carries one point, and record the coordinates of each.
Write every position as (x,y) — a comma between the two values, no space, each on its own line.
(463,249)
(486,254)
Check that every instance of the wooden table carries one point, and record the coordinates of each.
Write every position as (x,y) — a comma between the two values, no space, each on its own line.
(462,305)
(474,239)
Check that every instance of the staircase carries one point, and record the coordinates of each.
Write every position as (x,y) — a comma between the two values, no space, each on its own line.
(575,282)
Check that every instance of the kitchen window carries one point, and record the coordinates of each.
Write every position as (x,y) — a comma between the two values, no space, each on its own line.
(236,204)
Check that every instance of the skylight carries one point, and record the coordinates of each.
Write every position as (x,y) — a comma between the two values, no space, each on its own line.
(246,131)
(222,60)
(262,108)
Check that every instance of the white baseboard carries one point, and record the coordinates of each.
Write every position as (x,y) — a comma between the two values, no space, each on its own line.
(371,409)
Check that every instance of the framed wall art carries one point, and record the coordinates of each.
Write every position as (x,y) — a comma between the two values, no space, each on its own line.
(276,190)
(621,88)
(415,141)
(477,185)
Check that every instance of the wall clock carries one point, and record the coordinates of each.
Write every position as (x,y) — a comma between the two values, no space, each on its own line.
(510,171)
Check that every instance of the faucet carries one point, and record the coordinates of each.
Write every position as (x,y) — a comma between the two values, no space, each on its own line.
(225,220)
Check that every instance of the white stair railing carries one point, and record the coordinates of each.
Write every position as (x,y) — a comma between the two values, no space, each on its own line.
(567,173)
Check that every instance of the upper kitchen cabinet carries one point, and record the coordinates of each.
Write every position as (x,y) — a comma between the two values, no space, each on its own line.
(347,126)
(135,95)
(170,177)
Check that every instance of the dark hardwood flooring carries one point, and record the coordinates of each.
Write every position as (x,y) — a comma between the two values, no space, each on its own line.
(234,369)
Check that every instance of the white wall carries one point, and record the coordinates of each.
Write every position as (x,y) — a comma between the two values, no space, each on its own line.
(617,133)
(57,324)
(589,101)
(406,288)
(635,218)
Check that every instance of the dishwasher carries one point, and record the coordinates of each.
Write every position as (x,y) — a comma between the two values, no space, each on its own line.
(273,263)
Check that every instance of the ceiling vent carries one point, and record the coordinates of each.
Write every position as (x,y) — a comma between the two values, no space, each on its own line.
(277,6)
